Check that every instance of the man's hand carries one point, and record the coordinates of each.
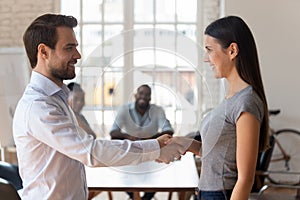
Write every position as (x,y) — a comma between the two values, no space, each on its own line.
(169,151)
(162,140)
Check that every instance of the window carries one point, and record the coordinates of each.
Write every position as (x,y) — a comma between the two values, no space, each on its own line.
(128,43)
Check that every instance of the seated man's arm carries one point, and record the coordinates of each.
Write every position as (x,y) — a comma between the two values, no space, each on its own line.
(116,131)
(163,123)
(118,135)
(169,132)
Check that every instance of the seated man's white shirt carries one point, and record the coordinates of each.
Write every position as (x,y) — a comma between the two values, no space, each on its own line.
(129,121)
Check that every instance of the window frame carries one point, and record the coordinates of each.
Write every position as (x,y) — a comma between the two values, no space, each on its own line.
(129,65)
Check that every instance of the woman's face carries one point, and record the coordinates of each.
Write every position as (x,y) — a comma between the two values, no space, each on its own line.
(218,58)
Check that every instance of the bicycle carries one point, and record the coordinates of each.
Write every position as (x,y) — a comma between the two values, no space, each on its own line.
(284,166)
(280,164)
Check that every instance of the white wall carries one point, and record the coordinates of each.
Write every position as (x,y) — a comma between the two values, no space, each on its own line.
(14,76)
(276,28)
(15,16)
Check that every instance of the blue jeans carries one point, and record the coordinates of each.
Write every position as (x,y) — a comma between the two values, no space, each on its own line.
(214,195)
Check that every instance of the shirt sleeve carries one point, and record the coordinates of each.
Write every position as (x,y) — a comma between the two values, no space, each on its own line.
(249,103)
(51,124)
(164,123)
(119,120)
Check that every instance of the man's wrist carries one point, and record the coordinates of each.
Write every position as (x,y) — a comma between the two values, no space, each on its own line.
(161,143)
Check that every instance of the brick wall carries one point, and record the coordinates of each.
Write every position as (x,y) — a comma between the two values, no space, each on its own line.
(16,15)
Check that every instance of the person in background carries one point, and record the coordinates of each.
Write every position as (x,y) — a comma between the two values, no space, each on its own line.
(76,101)
(141,120)
(51,148)
(233,133)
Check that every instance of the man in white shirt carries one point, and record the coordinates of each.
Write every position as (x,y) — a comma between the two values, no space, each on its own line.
(51,148)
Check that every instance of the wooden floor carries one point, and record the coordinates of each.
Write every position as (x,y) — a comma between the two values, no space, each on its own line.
(269,194)
(278,194)
(124,196)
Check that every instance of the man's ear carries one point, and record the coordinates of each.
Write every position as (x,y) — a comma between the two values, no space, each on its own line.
(233,50)
(43,50)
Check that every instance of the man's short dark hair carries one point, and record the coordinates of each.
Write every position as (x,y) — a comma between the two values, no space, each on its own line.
(144,85)
(43,30)
(74,87)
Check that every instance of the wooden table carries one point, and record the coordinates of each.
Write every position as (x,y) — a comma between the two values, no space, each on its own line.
(179,176)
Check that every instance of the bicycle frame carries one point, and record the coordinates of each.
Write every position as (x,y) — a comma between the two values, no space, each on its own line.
(284,156)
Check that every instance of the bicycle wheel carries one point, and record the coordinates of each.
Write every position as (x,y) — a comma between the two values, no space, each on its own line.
(289,140)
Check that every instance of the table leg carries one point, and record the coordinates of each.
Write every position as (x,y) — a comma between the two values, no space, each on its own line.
(136,195)
(298,194)
(92,194)
(170,196)
(110,197)
(181,195)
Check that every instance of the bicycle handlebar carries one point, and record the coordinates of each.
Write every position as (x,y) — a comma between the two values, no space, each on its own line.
(274,112)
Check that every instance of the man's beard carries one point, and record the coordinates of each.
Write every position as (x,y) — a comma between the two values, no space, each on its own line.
(143,106)
(62,74)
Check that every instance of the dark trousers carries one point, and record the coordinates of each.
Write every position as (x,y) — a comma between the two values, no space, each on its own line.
(147,195)
(214,195)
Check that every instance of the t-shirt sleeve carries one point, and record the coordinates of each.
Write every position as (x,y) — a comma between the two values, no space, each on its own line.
(250,103)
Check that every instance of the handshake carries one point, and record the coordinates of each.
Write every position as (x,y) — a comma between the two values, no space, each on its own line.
(172,148)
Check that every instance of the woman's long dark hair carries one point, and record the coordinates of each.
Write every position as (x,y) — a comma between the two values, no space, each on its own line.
(233,29)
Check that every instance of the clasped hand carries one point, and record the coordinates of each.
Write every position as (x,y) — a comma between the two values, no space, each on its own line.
(171,148)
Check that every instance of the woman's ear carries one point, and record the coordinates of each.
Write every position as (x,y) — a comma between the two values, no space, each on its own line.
(233,50)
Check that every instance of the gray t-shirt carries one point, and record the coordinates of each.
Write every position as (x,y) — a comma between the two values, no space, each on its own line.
(218,133)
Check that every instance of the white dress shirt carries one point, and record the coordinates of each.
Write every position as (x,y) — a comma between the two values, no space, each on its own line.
(52,149)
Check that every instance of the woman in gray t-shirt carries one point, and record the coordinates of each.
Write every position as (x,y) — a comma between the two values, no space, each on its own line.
(234,132)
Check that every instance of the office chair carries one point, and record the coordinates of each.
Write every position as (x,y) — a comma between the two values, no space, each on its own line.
(8,191)
(262,165)
(10,173)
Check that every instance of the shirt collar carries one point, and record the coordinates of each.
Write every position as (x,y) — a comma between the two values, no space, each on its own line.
(132,105)
(46,85)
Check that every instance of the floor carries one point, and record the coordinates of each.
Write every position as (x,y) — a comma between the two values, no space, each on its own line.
(269,194)
(279,194)
(124,196)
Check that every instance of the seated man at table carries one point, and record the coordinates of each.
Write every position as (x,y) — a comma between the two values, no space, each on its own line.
(141,120)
